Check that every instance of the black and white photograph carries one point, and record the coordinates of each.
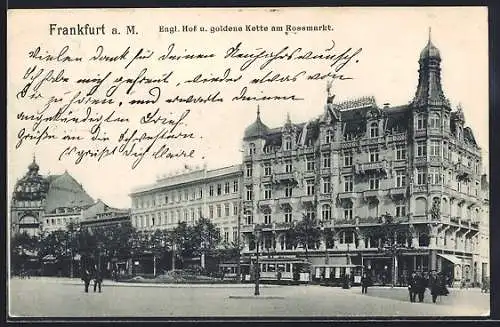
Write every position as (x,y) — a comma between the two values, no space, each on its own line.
(248,163)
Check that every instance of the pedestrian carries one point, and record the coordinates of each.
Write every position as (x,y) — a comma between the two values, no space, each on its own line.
(86,279)
(434,286)
(364,283)
(421,286)
(412,286)
(97,279)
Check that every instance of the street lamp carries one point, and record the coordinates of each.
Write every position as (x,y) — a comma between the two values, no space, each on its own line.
(257,231)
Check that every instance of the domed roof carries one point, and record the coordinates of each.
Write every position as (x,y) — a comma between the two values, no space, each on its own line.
(33,166)
(257,129)
(430,50)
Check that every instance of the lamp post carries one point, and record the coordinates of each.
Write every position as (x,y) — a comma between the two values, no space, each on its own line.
(257,231)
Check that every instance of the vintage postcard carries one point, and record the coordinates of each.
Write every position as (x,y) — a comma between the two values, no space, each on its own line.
(257,162)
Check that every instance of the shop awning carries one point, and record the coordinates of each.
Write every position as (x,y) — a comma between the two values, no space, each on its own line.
(450,257)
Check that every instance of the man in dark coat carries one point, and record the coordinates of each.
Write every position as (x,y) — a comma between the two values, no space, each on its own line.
(412,286)
(97,279)
(365,281)
(421,286)
(437,285)
(86,279)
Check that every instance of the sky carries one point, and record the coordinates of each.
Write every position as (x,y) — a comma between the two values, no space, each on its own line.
(391,40)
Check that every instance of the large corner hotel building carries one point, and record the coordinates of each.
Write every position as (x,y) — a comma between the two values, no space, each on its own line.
(348,168)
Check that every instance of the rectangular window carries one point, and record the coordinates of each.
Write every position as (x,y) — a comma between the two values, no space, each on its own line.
(435,148)
(400,210)
(249,170)
(310,163)
(400,178)
(211,190)
(348,213)
(326,185)
(235,208)
(235,235)
(219,189)
(219,211)
(400,152)
(374,183)
(227,187)
(288,167)
(267,169)
(226,209)
(374,155)
(267,191)
(249,193)
(420,122)
(348,184)
(226,236)
(310,186)
(288,191)
(200,193)
(326,160)
(347,159)
(267,218)
(421,149)
(235,186)
(421,176)
(288,216)
(435,122)
(434,176)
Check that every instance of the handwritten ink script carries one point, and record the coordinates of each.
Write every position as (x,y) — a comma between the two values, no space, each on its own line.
(101,101)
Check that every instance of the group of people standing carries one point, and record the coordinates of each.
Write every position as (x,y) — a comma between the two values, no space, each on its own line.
(96,276)
(418,283)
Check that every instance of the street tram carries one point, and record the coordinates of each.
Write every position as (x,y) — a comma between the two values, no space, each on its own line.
(284,269)
(334,274)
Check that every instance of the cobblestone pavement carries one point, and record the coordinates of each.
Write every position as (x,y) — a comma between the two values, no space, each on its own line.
(58,297)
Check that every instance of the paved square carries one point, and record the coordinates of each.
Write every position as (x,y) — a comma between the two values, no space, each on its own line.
(56,297)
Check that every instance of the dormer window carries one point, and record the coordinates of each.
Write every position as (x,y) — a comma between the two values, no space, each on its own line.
(329,136)
(252,148)
(288,143)
(373,130)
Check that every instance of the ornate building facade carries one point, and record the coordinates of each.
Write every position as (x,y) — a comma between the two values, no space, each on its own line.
(358,164)
(197,193)
(46,203)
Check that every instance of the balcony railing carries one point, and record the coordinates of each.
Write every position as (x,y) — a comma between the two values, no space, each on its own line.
(266,203)
(283,177)
(379,166)
(372,194)
(346,195)
(372,140)
(307,200)
(397,192)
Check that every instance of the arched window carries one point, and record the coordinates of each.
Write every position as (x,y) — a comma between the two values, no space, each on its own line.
(373,130)
(326,212)
(252,148)
(288,143)
(329,136)
(420,206)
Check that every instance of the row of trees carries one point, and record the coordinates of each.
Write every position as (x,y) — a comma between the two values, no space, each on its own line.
(120,243)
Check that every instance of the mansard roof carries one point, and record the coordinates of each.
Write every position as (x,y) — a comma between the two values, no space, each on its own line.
(65,192)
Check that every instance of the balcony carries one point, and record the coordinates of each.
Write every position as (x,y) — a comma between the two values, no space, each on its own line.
(420,132)
(420,161)
(368,220)
(398,137)
(266,179)
(267,203)
(350,144)
(372,194)
(285,202)
(398,192)
(307,201)
(420,189)
(284,177)
(372,141)
(464,172)
(435,131)
(346,195)
(371,167)
(325,197)
(246,228)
